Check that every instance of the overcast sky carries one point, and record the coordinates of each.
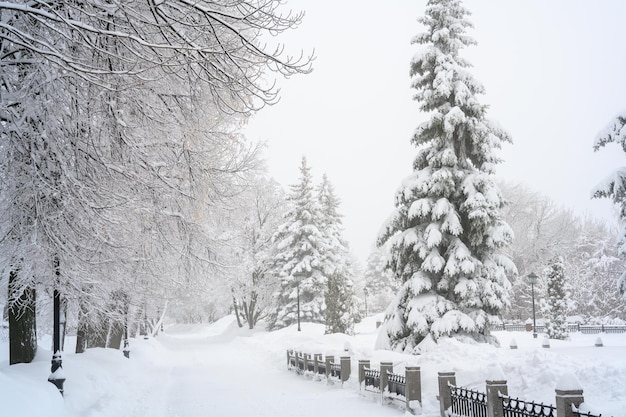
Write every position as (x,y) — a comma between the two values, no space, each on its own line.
(554,72)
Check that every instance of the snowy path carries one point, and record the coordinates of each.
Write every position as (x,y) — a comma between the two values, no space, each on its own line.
(191,375)
(232,379)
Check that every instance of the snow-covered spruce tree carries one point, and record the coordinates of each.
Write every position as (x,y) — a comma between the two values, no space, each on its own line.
(446,233)
(298,258)
(340,306)
(614,186)
(555,306)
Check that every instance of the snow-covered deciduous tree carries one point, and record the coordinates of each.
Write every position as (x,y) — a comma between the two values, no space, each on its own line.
(215,43)
(556,304)
(300,247)
(259,212)
(446,235)
(117,153)
(596,266)
(380,284)
(614,186)
(542,229)
(341,309)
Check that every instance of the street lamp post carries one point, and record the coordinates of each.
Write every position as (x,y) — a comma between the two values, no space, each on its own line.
(57,377)
(532,278)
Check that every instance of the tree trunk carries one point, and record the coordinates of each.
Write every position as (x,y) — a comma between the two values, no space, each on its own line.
(237,312)
(82,329)
(22,322)
(250,311)
(97,336)
(119,305)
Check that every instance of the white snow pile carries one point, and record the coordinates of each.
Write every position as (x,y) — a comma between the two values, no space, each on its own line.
(223,370)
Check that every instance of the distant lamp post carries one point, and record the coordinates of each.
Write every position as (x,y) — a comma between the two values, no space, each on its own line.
(532,278)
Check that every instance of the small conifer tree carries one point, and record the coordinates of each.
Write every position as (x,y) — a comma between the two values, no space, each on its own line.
(340,306)
(556,304)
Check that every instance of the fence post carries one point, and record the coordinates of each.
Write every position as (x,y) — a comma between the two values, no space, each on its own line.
(445,399)
(413,379)
(565,399)
(296,356)
(363,363)
(305,361)
(344,361)
(329,360)
(288,359)
(495,407)
(317,357)
(384,380)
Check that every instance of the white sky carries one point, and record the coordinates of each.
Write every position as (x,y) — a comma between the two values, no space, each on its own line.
(554,74)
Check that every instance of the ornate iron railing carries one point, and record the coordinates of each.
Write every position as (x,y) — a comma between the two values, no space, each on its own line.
(595,329)
(467,403)
(572,328)
(396,384)
(301,362)
(372,380)
(514,407)
(321,367)
(587,414)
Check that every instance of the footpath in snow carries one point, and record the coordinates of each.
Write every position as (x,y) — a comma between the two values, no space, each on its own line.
(221,370)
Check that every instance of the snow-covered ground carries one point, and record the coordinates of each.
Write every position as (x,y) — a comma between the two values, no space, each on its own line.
(221,370)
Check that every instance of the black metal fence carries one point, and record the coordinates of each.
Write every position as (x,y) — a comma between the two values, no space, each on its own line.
(514,407)
(468,403)
(372,380)
(588,414)
(396,384)
(335,370)
(572,328)
(321,368)
(300,362)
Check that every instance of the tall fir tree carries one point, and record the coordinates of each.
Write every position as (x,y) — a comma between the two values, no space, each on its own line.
(555,306)
(340,303)
(446,234)
(298,260)
(614,186)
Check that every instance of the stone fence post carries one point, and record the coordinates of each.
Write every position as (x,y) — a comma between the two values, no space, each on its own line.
(329,360)
(305,361)
(445,399)
(413,386)
(495,407)
(317,358)
(297,359)
(363,363)
(384,379)
(344,362)
(565,399)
